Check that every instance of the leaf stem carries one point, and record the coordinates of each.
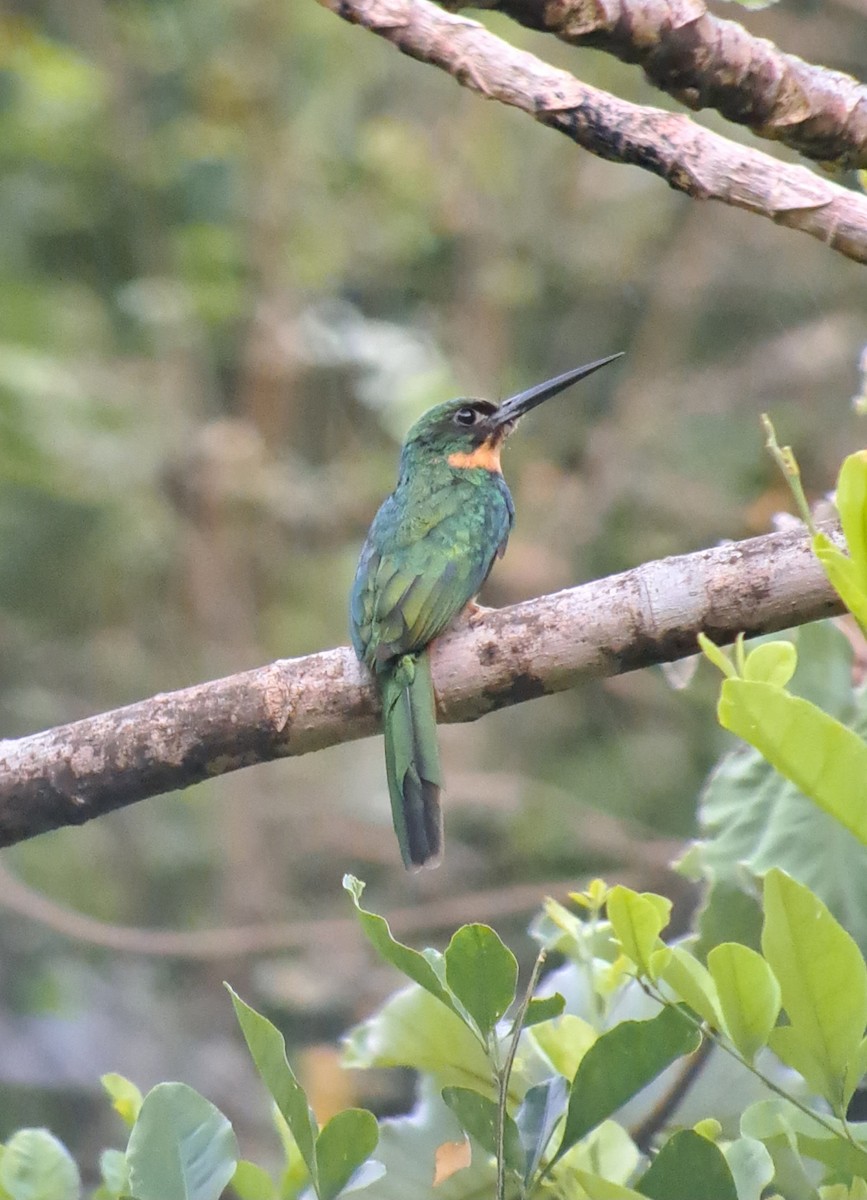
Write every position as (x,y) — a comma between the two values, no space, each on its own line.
(504,1074)
(723,1044)
(785,459)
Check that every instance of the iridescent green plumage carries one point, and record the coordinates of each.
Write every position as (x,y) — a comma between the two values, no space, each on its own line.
(429,550)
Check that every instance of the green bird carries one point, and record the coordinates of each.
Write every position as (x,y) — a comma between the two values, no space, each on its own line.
(429,550)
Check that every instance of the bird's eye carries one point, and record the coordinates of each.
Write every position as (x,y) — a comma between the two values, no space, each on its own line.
(466,416)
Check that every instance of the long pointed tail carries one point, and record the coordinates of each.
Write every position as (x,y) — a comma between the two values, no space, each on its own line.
(412,760)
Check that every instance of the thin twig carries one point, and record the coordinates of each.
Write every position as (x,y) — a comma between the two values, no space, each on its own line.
(505,1074)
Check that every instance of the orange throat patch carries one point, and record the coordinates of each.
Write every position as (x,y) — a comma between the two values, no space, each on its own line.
(486,456)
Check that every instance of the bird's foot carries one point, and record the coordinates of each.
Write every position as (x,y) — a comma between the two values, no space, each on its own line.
(475,613)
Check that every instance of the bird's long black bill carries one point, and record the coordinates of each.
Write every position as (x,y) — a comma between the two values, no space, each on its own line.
(516,406)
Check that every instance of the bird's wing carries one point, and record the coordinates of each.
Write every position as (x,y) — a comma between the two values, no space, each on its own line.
(407,592)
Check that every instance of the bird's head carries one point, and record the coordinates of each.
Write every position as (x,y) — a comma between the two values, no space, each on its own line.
(470,433)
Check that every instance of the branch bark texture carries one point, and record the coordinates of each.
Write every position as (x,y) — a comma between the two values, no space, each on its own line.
(689,158)
(651,614)
(706,62)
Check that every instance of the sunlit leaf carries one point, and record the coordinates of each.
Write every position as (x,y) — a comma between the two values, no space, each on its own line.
(637,920)
(749,995)
(125,1096)
(251,1182)
(597,1188)
(565,1041)
(771,662)
(823,982)
(851,501)
(845,576)
(715,654)
(822,757)
(692,983)
(412,1029)
(752,818)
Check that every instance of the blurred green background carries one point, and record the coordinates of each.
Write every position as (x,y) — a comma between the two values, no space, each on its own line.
(242,246)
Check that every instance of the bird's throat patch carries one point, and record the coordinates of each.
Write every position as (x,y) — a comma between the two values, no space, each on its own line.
(486,456)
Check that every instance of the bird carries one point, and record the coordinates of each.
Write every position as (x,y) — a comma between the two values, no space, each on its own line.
(428,552)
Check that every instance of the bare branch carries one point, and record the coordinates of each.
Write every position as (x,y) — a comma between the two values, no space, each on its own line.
(241,941)
(689,158)
(651,614)
(706,62)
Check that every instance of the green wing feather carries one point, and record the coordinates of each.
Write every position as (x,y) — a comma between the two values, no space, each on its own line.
(424,559)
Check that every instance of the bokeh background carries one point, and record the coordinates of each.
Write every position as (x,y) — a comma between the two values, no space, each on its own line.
(242,246)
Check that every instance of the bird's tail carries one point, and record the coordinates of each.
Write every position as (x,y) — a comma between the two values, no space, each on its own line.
(412,760)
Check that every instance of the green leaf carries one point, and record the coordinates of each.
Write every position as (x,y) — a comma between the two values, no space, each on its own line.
(114,1170)
(36,1166)
(412,1029)
(125,1096)
(715,654)
(821,756)
(692,983)
(771,662)
(268,1050)
(536,1119)
(619,1064)
(251,1182)
(851,501)
(823,982)
(482,973)
(565,1042)
(412,964)
(752,818)
(607,1151)
(751,1166)
(546,1008)
(181,1147)
(637,920)
(597,1188)
(845,576)
(478,1117)
(731,914)
(749,995)
(344,1144)
(688,1165)
(770,1122)
(779,1125)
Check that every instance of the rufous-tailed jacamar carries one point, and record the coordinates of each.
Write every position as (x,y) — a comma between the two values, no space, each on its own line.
(429,550)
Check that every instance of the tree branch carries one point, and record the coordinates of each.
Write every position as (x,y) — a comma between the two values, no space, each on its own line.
(689,158)
(706,62)
(651,614)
